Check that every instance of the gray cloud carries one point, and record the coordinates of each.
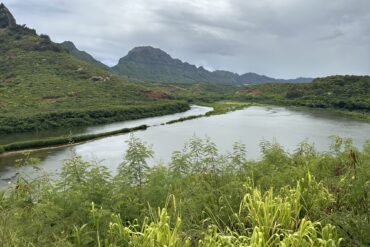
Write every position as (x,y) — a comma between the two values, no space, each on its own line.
(281,38)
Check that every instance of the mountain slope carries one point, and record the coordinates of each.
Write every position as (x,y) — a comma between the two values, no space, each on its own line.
(152,64)
(42,86)
(6,18)
(82,55)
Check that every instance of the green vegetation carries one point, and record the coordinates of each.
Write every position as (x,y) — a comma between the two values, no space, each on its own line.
(222,107)
(219,107)
(184,119)
(345,93)
(201,198)
(86,117)
(50,142)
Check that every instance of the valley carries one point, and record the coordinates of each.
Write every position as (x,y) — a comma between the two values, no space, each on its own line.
(154,151)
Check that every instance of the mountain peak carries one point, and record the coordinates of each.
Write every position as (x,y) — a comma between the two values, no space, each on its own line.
(146,49)
(147,54)
(69,45)
(6,18)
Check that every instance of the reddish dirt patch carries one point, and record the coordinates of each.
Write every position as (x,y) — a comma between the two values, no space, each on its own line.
(174,89)
(49,100)
(251,92)
(156,95)
(196,88)
(3,104)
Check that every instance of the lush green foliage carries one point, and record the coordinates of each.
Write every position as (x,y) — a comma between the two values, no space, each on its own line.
(219,107)
(341,92)
(42,121)
(203,198)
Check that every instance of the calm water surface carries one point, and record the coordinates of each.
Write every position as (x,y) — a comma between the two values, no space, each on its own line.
(249,126)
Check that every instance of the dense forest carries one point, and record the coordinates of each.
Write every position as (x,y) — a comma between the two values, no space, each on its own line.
(201,198)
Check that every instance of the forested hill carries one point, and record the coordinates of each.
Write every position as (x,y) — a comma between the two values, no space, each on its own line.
(43,86)
(152,64)
(343,92)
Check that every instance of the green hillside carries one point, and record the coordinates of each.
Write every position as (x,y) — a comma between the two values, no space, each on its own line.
(43,86)
(340,92)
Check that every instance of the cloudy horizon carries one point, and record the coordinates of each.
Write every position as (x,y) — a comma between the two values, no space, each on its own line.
(278,38)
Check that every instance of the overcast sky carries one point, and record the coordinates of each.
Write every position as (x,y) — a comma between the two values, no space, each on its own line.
(279,38)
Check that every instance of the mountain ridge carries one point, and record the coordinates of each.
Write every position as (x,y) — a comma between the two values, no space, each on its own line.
(147,63)
(151,64)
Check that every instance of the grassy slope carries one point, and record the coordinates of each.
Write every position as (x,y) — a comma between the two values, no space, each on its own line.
(37,78)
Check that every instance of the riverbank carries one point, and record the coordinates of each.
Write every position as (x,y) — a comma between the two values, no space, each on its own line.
(222,107)
(78,138)
(74,118)
(355,115)
(219,107)
(59,141)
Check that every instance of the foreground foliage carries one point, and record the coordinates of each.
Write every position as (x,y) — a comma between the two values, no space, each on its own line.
(201,198)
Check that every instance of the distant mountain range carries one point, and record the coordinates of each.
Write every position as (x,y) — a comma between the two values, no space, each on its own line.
(151,64)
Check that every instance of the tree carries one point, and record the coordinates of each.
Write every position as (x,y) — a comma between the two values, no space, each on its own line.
(134,167)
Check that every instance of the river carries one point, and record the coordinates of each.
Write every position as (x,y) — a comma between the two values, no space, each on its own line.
(249,126)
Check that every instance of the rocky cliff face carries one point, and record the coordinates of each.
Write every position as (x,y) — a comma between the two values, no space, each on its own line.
(6,18)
